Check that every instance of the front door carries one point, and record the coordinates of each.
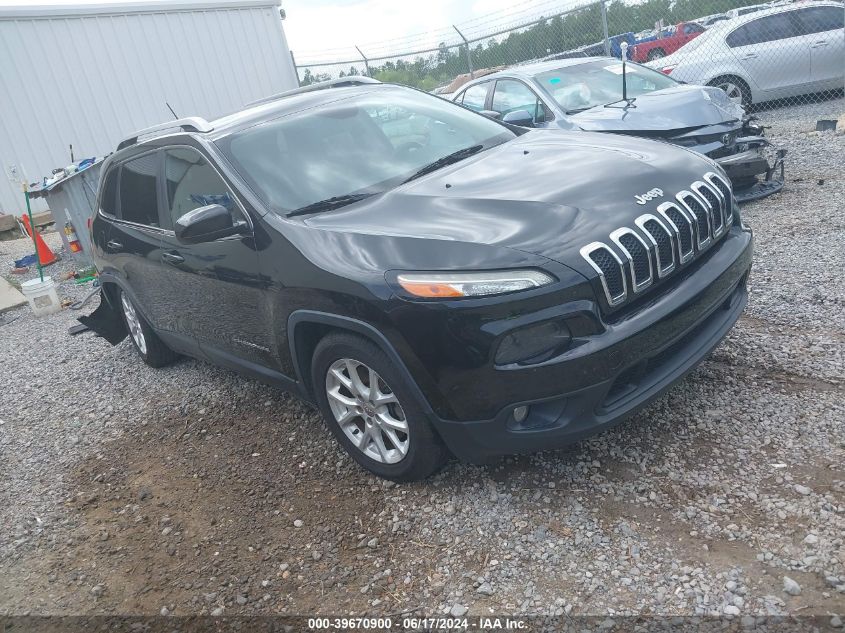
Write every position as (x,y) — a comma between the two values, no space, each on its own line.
(215,287)
(773,53)
(825,31)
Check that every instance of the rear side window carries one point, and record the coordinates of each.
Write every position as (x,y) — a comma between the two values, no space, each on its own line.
(108,197)
(138,197)
(768,29)
(192,183)
(476,96)
(820,19)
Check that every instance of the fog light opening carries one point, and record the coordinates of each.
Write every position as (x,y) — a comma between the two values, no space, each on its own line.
(520,413)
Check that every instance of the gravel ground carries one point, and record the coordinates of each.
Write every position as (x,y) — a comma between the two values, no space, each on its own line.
(190,490)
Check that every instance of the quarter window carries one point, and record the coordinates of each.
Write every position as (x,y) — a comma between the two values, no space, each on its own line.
(138,196)
(192,183)
(475,96)
(108,199)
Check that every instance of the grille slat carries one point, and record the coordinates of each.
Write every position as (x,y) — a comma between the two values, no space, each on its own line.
(683,226)
(701,215)
(727,195)
(661,239)
(714,201)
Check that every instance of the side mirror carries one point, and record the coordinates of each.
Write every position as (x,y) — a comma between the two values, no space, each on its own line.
(207,223)
(522,118)
(491,114)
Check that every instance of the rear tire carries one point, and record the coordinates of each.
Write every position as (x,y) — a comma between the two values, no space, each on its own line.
(656,53)
(736,89)
(149,346)
(384,429)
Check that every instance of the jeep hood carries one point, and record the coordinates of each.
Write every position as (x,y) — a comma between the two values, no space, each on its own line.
(546,193)
(663,113)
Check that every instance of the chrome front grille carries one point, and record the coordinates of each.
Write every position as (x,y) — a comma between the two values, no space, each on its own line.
(661,242)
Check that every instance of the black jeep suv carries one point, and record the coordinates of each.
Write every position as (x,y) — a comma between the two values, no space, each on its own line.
(434,281)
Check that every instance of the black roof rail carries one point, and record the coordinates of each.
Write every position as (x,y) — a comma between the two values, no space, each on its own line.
(342,82)
(188,124)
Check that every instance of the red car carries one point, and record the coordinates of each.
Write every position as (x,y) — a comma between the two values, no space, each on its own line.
(666,44)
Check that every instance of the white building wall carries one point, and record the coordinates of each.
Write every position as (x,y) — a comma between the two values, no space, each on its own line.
(91,75)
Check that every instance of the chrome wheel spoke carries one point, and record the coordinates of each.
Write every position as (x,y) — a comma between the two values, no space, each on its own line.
(342,378)
(399,445)
(378,440)
(339,397)
(388,422)
(358,387)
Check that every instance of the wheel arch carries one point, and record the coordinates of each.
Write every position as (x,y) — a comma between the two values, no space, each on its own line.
(307,327)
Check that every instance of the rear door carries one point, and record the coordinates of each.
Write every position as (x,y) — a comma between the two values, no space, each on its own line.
(773,53)
(215,290)
(824,29)
(133,243)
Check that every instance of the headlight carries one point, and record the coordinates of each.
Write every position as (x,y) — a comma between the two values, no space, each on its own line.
(478,284)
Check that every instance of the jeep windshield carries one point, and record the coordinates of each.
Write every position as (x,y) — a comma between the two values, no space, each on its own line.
(584,86)
(344,151)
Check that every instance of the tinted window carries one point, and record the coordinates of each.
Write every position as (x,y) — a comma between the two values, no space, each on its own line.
(821,19)
(693,28)
(510,96)
(767,29)
(476,96)
(364,144)
(192,183)
(108,199)
(138,199)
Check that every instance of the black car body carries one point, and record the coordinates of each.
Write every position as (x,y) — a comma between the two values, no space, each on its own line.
(586,94)
(593,270)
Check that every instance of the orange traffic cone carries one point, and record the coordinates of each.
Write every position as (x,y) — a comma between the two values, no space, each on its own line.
(45,255)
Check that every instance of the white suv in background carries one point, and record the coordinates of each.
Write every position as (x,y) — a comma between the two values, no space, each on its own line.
(776,53)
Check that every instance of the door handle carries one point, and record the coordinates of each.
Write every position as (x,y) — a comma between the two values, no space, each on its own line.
(114,247)
(819,44)
(750,56)
(172,258)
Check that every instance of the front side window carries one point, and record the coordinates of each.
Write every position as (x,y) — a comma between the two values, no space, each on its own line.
(583,86)
(511,96)
(821,19)
(138,195)
(192,183)
(475,96)
(357,146)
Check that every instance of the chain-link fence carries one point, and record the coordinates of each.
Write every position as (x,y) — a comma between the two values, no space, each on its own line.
(788,51)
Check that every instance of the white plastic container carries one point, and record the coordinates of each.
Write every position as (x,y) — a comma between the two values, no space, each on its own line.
(41,295)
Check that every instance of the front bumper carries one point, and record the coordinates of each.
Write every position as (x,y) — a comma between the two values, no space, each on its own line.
(628,374)
(752,175)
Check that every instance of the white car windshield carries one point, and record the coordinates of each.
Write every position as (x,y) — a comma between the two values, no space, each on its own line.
(585,86)
(352,148)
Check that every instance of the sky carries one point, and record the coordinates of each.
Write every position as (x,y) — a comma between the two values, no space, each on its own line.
(323,30)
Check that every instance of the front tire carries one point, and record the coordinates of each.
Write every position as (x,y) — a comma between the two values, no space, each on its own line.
(736,89)
(149,346)
(371,411)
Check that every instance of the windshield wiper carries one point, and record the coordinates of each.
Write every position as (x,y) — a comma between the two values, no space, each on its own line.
(629,103)
(454,157)
(330,203)
(577,110)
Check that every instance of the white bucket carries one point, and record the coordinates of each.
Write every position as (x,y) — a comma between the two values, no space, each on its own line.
(41,295)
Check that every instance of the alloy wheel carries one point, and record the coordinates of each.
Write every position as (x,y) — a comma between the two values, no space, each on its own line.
(367,411)
(134,323)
